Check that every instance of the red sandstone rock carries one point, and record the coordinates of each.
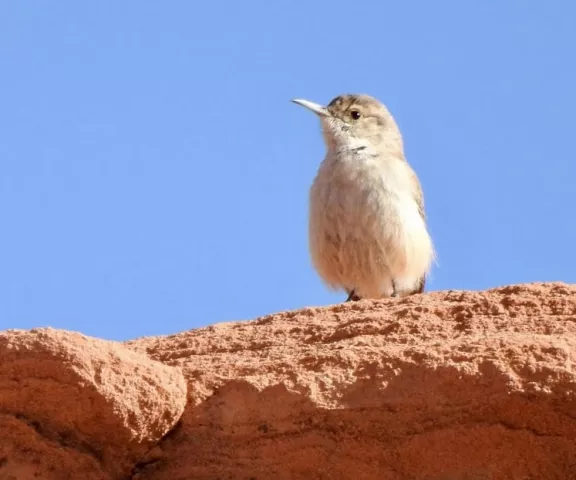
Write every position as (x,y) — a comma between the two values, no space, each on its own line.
(72,407)
(441,386)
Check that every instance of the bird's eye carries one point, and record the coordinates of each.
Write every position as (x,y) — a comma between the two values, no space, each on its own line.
(355,114)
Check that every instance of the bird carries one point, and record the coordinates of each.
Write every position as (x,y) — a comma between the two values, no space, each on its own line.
(367,229)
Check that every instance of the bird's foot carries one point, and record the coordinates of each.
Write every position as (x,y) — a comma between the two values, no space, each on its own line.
(353,297)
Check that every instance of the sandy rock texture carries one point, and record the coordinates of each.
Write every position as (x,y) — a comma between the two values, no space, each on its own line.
(453,385)
(74,407)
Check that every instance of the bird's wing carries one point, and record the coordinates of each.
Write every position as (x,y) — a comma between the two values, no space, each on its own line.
(418,194)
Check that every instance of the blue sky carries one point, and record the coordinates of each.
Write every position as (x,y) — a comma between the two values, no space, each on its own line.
(154,174)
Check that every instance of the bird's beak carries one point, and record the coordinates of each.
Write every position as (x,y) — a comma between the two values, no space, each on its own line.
(317,109)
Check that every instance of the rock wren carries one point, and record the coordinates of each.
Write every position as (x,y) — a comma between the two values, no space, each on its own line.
(367,225)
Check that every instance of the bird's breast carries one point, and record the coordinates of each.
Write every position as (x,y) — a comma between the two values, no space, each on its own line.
(365,225)
(364,187)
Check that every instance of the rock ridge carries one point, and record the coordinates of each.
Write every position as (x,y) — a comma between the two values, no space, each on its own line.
(445,385)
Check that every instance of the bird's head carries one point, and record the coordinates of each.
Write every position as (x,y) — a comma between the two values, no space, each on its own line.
(354,121)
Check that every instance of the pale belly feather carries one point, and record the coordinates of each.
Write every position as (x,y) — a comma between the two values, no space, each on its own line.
(365,229)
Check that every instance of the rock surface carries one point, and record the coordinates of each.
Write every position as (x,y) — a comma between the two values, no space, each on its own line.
(452,385)
(75,407)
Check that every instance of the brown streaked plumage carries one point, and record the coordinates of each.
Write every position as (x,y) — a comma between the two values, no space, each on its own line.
(367,223)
